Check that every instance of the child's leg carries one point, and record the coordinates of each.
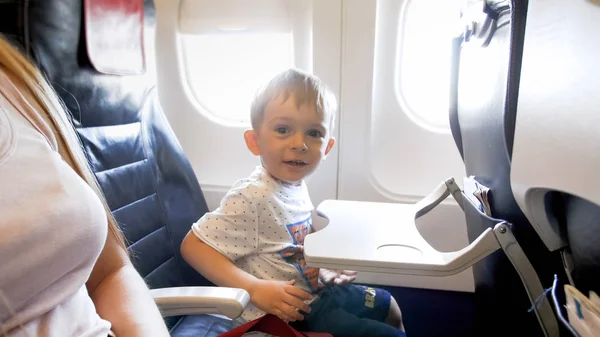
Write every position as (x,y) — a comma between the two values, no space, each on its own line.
(394,317)
(371,303)
(379,305)
(340,323)
(349,307)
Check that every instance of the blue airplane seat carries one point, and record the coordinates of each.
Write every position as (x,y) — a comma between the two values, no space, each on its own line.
(147,179)
(486,74)
(556,154)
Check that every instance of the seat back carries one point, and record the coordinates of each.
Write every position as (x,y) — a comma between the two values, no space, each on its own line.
(556,156)
(482,120)
(104,73)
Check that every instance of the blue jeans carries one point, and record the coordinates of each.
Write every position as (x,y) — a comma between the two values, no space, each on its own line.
(350,310)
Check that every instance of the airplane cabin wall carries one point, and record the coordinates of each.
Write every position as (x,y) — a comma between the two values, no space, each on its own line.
(215,146)
(390,151)
(387,151)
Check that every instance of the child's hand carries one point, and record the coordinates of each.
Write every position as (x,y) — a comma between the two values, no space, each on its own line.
(336,277)
(280,298)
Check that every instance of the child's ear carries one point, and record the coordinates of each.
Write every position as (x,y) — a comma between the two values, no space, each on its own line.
(252,142)
(329,145)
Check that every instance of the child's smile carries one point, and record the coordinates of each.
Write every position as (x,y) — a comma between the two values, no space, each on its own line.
(296,164)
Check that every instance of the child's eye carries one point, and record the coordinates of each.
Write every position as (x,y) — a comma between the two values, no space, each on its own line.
(315,133)
(282,130)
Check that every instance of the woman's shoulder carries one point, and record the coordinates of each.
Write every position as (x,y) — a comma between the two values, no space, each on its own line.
(17,101)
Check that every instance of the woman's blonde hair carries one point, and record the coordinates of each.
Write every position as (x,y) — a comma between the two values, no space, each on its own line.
(13,62)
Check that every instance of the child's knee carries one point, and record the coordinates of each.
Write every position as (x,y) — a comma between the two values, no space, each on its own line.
(394,317)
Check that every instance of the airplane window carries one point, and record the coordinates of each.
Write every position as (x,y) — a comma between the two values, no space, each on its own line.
(224,70)
(423,68)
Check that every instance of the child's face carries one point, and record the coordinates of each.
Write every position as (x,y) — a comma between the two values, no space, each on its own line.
(291,140)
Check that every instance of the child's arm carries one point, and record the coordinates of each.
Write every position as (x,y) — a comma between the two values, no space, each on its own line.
(279,298)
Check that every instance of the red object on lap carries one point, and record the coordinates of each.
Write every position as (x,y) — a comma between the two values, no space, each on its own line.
(273,325)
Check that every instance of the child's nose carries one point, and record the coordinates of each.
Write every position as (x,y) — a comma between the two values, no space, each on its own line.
(298,143)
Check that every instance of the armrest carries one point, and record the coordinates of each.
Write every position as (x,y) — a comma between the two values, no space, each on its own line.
(175,301)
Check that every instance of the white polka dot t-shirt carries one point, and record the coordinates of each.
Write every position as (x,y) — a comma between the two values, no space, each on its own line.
(260,226)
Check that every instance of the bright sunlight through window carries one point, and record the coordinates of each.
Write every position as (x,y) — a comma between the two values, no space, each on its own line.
(225,70)
(423,71)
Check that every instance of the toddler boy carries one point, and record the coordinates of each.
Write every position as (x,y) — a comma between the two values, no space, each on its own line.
(255,239)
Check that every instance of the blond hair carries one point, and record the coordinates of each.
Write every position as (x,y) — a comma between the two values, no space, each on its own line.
(306,88)
(13,62)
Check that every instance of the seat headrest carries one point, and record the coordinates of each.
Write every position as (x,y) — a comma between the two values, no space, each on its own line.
(63,35)
(114,35)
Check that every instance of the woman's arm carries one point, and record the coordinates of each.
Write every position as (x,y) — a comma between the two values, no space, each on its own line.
(121,296)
